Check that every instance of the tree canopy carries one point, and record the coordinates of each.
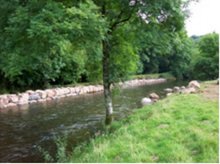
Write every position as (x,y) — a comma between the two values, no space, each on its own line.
(205,65)
(59,42)
(49,41)
(62,42)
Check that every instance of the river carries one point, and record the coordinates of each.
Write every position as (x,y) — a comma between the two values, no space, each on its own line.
(23,130)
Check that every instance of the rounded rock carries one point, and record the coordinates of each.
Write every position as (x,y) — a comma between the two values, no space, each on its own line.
(42,94)
(146,101)
(194,84)
(176,89)
(168,90)
(34,96)
(13,98)
(3,101)
(154,96)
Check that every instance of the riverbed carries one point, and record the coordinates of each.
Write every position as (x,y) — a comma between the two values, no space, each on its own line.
(81,117)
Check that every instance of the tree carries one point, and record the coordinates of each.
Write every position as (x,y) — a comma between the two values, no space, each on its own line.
(58,41)
(167,52)
(180,55)
(206,62)
(131,17)
(48,41)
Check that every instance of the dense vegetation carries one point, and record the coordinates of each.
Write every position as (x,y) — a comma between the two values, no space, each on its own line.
(53,42)
(205,62)
(48,42)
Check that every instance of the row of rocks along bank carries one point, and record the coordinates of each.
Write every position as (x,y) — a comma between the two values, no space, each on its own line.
(193,87)
(38,96)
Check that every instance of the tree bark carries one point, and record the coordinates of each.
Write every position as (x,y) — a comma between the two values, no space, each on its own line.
(107,82)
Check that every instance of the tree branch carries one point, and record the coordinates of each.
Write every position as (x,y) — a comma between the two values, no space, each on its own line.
(119,19)
(116,23)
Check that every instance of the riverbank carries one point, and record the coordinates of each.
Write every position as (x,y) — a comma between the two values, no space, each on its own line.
(41,96)
(180,128)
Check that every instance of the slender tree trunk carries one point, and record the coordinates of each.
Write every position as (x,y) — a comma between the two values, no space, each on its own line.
(107,83)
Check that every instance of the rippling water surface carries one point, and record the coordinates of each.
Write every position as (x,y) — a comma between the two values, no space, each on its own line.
(23,130)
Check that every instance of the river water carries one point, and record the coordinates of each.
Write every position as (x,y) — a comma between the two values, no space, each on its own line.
(23,130)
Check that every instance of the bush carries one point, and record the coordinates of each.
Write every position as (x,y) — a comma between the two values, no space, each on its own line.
(206,66)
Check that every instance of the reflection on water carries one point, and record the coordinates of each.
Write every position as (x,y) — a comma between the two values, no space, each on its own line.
(23,129)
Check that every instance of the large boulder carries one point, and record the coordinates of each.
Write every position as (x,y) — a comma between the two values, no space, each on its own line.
(176,89)
(23,98)
(154,96)
(42,94)
(72,90)
(194,84)
(146,101)
(59,92)
(4,101)
(77,90)
(65,91)
(51,93)
(13,98)
(11,105)
(182,87)
(34,96)
(168,90)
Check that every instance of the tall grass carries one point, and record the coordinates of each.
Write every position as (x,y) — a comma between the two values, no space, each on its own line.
(61,152)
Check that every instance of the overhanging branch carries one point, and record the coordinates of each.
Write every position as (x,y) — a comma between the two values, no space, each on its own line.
(119,19)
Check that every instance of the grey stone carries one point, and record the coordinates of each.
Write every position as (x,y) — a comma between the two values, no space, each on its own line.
(3,101)
(34,96)
(194,84)
(23,98)
(168,90)
(176,89)
(146,101)
(154,96)
(13,98)
(182,87)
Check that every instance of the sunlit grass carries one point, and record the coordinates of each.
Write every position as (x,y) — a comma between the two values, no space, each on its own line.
(181,128)
(165,75)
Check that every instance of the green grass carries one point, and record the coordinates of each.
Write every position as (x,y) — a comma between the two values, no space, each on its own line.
(180,128)
(166,75)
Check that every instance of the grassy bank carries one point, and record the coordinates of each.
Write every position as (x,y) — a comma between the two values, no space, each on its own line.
(166,75)
(181,128)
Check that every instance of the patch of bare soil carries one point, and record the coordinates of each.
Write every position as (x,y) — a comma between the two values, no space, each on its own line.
(211,91)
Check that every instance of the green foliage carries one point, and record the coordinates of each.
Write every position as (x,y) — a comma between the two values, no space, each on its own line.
(180,56)
(50,42)
(124,56)
(61,42)
(167,52)
(181,128)
(61,153)
(133,25)
(206,62)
